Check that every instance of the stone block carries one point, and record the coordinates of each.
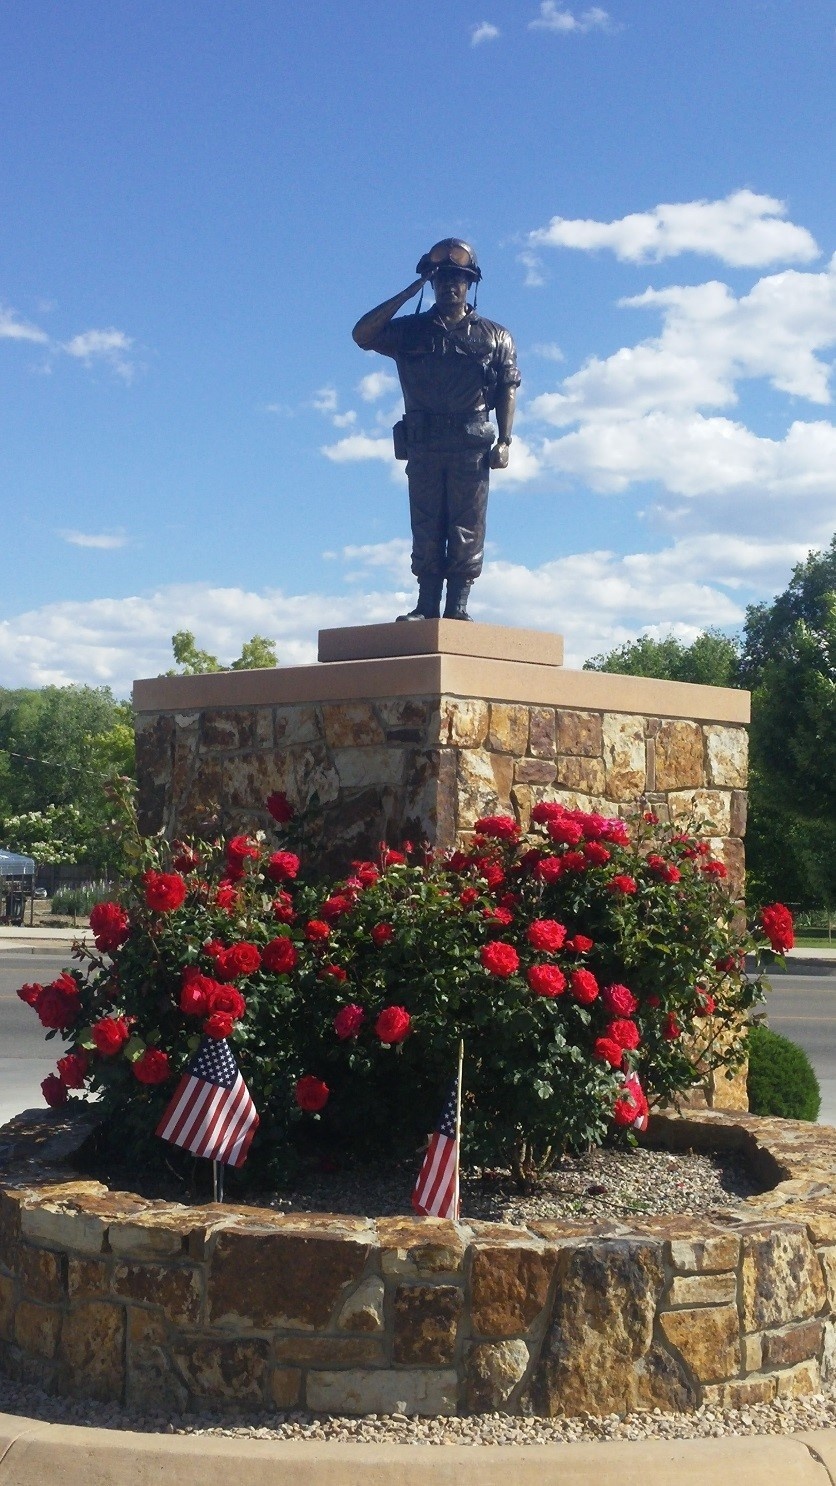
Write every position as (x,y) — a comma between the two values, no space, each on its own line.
(215,1371)
(739,1395)
(405,1390)
(284,1387)
(716,1251)
(584,774)
(175,1288)
(89,1277)
(535,771)
(361,768)
(509,1288)
(38,1328)
(288,1280)
(792,1345)
(580,733)
(463,722)
(707,1338)
(66,1224)
(508,728)
(228,729)
(426,1320)
(781,1278)
(92,1350)
(296,725)
(827,1257)
(150,1380)
(598,1354)
(727,754)
(625,759)
(478,790)
(739,812)
(419,1247)
(751,1351)
(828,1354)
(351,725)
(702,1289)
(7,1307)
(363,1310)
(680,761)
(702,805)
(493,1370)
(328,1351)
(404,714)
(798,1382)
(542,732)
(164,1234)
(41,1273)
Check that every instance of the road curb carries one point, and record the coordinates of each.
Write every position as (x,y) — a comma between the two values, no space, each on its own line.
(32,1452)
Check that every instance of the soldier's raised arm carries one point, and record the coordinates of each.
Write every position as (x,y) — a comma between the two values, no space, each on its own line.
(369,326)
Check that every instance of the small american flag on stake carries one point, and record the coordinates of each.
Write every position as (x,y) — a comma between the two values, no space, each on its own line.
(436,1192)
(211,1113)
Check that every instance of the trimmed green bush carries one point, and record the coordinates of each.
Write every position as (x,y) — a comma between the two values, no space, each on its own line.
(781,1078)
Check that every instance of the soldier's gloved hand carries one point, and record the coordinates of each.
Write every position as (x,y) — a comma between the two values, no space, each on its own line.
(499,457)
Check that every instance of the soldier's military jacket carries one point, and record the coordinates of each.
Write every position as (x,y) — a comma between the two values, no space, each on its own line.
(452,371)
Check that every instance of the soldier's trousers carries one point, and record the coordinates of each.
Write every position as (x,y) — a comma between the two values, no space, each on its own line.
(448,501)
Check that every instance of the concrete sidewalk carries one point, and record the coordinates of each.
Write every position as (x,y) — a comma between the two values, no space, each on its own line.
(46,940)
(32,1453)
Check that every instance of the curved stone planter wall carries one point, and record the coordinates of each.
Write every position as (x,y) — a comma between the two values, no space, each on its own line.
(107,1295)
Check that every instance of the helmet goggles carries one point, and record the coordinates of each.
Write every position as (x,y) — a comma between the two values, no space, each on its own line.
(451,255)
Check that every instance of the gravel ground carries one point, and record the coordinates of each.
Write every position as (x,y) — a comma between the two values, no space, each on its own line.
(604,1184)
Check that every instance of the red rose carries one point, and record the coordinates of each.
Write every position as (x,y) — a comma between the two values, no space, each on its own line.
(609,1051)
(316,931)
(185,858)
(283,866)
(336,907)
(500,827)
(728,965)
(393,1024)
(54,1091)
(616,832)
(311,1094)
(280,807)
(492,873)
(164,891)
(671,1028)
(240,850)
(546,980)
(152,1067)
(239,959)
(624,1032)
(499,915)
(226,896)
(31,994)
(333,972)
(631,1105)
(547,810)
(225,998)
(778,927)
(348,1021)
(585,987)
(195,992)
(715,869)
(219,1025)
(110,1035)
(546,935)
(366,873)
(72,1069)
(706,1004)
(500,958)
(574,861)
(283,908)
(596,854)
(389,857)
(467,899)
(59,1003)
(580,944)
(621,883)
(565,831)
(619,1001)
(280,956)
(381,934)
(110,925)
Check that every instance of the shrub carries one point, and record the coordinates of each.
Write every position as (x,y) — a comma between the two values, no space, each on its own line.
(588,967)
(76,902)
(781,1079)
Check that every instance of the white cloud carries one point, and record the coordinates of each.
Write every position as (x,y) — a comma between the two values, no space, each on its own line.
(344,420)
(359,446)
(548,350)
(533,265)
(12,328)
(554,17)
(111,346)
(103,541)
(376,385)
(326,400)
(484,31)
(744,229)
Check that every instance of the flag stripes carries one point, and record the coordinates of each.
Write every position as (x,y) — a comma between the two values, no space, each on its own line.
(436,1192)
(211,1113)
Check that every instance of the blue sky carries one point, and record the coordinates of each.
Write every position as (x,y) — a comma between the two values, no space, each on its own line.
(200,197)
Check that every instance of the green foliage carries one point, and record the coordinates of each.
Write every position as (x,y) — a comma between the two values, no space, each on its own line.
(76,902)
(257,654)
(781,1080)
(712,659)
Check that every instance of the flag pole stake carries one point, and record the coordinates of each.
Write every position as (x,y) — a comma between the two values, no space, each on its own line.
(459,1126)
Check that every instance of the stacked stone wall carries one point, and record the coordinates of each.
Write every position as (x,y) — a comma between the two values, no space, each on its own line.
(427,768)
(111,1296)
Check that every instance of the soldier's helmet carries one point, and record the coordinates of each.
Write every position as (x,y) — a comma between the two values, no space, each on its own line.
(451,252)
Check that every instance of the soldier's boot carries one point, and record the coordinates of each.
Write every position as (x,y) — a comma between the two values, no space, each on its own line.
(457,592)
(429,600)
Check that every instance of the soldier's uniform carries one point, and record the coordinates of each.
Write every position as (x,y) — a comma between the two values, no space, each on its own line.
(450,379)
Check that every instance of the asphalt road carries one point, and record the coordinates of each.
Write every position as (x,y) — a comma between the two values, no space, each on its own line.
(802,1006)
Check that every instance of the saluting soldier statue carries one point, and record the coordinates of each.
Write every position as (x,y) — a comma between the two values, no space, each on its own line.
(455,367)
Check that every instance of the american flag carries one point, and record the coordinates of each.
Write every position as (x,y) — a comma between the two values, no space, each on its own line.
(633,1087)
(436,1192)
(211,1113)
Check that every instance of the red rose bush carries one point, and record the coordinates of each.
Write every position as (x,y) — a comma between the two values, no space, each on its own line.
(592,967)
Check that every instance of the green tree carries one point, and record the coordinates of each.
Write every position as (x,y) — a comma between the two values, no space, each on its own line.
(257,654)
(712,659)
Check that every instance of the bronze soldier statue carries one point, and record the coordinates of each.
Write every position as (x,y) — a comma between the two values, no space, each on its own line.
(454,368)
